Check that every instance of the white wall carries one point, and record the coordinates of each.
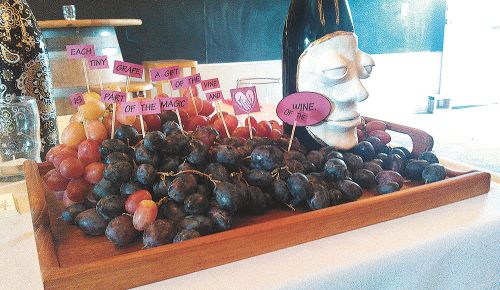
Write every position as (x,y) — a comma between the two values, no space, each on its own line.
(400,82)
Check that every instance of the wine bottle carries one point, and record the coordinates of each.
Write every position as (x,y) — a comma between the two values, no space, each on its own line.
(307,22)
(24,66)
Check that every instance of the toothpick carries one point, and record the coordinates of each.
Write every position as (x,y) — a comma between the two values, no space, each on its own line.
(84,122)
(249,126)
(84,63)
(142,125)
(158,86)
(293,133)
(176,109)
(113,121)
(221,116)
(192,99)
(127,85)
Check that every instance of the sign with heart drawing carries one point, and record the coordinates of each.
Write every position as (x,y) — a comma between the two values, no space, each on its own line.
(245,100)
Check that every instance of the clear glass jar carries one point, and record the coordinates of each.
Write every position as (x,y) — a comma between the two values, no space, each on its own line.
(269,90)
(19,136)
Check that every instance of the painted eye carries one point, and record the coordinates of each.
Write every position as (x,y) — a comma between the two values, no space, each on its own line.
(366,65)
(336,73)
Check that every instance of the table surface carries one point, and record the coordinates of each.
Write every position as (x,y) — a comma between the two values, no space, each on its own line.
(49,24)
(456,246)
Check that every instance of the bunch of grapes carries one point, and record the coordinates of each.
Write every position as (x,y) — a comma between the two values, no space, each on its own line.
(174,185)
(77,161)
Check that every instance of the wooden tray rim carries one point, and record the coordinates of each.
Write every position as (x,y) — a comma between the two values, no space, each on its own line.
(58,273)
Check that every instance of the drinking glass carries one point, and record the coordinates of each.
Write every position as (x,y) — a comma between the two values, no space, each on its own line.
(269,90)
(19,136)
(69,12)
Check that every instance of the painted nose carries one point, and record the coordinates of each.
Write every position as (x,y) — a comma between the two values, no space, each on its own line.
(359,90)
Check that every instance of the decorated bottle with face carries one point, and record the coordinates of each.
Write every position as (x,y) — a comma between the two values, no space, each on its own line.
(320,54)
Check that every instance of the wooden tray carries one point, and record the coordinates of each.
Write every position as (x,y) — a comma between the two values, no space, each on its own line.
(70,260)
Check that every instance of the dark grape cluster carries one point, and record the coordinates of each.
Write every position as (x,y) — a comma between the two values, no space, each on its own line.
(173,186)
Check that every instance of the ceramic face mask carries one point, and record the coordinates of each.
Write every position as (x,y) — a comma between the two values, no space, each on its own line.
(333,66)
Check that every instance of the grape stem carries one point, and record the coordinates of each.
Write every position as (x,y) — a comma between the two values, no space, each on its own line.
(162,201)
(276,172)
(240,177)
(208,176)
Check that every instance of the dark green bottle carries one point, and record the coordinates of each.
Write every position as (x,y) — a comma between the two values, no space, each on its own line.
(308,21)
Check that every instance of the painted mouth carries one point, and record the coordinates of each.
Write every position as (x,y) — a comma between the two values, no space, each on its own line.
(349,119)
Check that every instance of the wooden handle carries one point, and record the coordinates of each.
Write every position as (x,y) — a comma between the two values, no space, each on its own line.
(421,140)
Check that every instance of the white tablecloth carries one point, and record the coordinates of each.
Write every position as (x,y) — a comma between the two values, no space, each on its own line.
(451,247)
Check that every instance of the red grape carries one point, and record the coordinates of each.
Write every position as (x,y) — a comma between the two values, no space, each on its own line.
(263,129)
(253,122)
(219,127)
(125,120)
(195,122)
(243,132)
(231,123)
(153,121)
(382,135)
(96,130)
(375,125)
(137,126)
(190,106)
(63,154)
(106,121)
(66,201)
(208,108)
(56,182)
(49,173)
(93,172)
(135,198)
(77,190)
(361,135)
(71,168)
(184,117)
(54,151)
(92,109)
(145,214)
(276,125)
(88,151)
(275,135)
(216,117)
(73,135)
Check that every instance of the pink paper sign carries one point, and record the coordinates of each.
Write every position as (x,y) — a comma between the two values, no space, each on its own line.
(210,84)
(186,82)
(214,96)
(128,69)
(131,108)
(98,62)
(77,100)
(245,100)
(113,97)
(306,108)
(168,104)
(150,107)
(163,74)
(80,51)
